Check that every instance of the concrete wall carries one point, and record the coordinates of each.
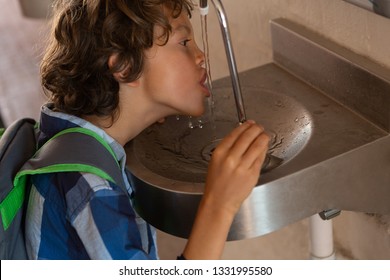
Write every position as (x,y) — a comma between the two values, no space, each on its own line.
(346,24)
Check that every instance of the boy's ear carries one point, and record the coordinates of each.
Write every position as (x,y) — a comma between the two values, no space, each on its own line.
(120,75)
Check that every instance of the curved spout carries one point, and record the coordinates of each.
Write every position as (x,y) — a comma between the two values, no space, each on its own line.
(230,57)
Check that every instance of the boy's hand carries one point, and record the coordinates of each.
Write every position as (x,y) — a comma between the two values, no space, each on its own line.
(235,167)
(233,172)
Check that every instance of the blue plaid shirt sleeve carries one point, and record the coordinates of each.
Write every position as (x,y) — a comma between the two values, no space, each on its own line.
(107,226)
(90,218)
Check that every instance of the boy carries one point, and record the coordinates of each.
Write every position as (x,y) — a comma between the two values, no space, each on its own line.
(116,67)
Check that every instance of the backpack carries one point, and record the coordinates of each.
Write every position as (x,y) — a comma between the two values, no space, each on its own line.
(67,151)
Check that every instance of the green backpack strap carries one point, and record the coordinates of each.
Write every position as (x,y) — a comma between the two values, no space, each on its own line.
(72,150)
(75,150)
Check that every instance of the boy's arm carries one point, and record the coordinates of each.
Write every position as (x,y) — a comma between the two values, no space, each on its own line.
(233,172)
(209,233)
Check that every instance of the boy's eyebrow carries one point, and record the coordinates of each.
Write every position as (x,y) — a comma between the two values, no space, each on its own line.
(184,27)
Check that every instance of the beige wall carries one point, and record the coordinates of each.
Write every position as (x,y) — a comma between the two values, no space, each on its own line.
(346,24)
(357,236)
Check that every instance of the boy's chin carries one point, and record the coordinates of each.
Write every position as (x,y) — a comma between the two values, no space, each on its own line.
(194,114)
(198,113)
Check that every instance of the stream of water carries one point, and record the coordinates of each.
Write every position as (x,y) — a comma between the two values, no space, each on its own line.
(211,102)
(208,117)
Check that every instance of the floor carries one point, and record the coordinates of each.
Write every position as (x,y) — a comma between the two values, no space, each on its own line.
(21,96)
(289,243)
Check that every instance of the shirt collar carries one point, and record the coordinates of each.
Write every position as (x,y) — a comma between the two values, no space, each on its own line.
(52,122)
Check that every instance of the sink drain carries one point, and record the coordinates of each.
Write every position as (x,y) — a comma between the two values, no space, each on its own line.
(270,161)
(208,150)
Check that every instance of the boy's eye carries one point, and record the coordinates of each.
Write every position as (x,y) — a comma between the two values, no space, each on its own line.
(185,42)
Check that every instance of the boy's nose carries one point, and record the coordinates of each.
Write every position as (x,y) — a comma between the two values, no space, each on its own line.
(200,56)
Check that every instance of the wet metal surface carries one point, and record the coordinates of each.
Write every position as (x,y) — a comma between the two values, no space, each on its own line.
(175,151)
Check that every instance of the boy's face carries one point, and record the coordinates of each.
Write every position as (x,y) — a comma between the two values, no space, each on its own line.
(174,75)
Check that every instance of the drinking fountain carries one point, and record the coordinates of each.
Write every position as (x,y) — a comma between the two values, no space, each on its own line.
(327,110)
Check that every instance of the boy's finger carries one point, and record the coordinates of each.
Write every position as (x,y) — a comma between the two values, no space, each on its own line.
(245,140)
(232,137)
(256,151)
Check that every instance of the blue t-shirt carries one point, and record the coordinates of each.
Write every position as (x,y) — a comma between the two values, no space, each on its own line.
(77,215)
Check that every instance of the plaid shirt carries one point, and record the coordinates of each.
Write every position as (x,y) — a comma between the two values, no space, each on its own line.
(80,215)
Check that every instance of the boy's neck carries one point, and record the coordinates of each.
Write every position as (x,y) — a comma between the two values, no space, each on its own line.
(131,121)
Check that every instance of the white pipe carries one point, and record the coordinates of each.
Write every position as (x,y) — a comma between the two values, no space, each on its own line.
(321,239)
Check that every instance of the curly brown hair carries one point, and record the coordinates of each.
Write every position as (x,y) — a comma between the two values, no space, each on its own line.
(74,71)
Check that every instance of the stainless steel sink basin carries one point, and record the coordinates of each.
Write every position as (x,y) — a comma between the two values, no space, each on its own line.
(178,152)
(336,152)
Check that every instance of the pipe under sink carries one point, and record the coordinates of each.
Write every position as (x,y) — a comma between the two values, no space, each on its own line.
(336,152)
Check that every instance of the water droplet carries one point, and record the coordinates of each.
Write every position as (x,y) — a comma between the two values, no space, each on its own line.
(190,124)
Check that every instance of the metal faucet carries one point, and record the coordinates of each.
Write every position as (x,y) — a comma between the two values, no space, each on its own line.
(230,56)
(270,161)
